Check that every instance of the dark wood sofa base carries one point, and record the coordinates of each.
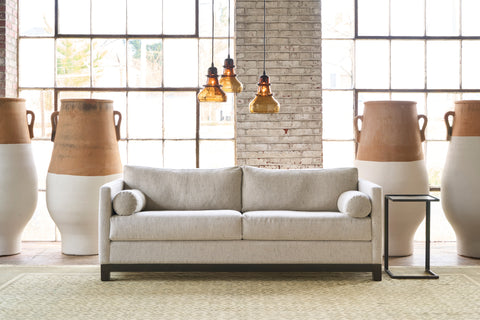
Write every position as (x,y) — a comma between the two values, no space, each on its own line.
(375,269)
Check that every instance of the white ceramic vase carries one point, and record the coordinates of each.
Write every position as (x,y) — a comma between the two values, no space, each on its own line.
(461,176)
(18,177)
(390,154)
(85,156)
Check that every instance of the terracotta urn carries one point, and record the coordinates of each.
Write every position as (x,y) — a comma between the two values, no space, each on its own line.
(18,176)
(461,176)
(85,156)
(390,154)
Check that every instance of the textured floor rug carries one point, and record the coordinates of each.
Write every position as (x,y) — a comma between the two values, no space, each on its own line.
(77,293)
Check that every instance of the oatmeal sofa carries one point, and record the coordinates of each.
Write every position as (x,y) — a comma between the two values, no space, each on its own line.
(241,219)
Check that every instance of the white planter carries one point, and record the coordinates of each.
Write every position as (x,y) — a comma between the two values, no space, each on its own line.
(390,154)
(18,177)
(18,194)
(72,202)
(461,177)
(85,156)
(409,177)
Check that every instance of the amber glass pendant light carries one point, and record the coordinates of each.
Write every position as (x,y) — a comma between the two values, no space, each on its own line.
(264,102)
(212,91)
(229,79)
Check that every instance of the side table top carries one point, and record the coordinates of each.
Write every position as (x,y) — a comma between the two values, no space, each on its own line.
(411,197)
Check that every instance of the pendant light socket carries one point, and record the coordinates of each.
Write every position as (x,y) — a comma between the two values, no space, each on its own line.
(229,79)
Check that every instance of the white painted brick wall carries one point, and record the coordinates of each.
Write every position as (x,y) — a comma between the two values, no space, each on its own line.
(293,137)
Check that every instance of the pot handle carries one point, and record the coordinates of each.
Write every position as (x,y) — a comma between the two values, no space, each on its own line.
(424,126)
(54,119)
(447,123)
(117,123)
(32,122)
(355,126)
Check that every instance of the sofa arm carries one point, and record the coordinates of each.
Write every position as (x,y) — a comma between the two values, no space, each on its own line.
(107,192)
(375,192)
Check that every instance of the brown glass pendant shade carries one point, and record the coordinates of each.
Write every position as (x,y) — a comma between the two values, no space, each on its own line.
(229,79)
(264,102)
(212,91)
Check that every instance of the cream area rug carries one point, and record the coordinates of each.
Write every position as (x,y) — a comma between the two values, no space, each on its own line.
(77,293)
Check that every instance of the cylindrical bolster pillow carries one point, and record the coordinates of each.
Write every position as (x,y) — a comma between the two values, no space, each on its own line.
(354,203)
(128,202)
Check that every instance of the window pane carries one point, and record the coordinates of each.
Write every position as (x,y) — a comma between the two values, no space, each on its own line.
(145,153)
(41,103)
(221,18)
(40,227)
(145,115)
(443,64)
(408,64)
(338,154)
(205,16)
(217,119)
(182,58)
(372,64)
(470,21)
(443,18)
(108,17)
(373,17)
(437,105)
(145,63)
(72,95)
(180,115)
(337,111)
(179,16)
(74,17)
(144,17)
(337,64)
(436,155)
(43,153)
(408,17)
(36,62)
(205,58)
(109,63)
(36,18)
(471,96)
(73,62)
(337,18)
(119,104)
(217,154)
(180,154)
(470,64)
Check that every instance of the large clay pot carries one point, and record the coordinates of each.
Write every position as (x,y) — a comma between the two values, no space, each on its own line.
(18,177)
(461,176)
(390,154)
(85,156)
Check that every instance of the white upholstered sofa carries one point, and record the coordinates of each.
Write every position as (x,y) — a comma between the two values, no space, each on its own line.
(241,219)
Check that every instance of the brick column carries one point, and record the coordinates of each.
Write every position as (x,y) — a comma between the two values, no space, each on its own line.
(293,137)
(8,48)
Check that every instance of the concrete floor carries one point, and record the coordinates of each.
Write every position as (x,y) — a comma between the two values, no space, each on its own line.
(49,253)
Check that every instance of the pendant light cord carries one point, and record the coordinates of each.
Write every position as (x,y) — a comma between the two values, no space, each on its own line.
(229,29)
(264,38)
(213,28)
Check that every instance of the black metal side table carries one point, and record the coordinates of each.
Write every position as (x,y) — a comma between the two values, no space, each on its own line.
(411,198)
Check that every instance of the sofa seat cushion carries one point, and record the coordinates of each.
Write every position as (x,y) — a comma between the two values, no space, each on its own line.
(177,225)
(304,225)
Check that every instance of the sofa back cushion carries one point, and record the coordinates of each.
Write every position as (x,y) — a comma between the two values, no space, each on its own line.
(187,189)
(299,190)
